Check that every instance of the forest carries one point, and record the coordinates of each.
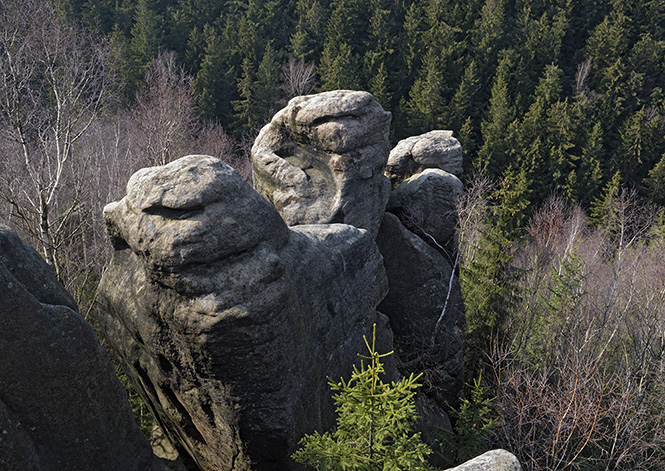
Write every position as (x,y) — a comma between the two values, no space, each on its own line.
(559,106)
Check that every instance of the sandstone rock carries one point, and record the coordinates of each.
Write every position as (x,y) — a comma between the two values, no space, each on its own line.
(321,160)
(227,321)
(425,204)
(494,460)
(435,149)
(421,283)
(61,406)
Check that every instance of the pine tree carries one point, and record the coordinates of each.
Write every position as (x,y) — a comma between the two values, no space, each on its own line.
(307,40)
(487,36)
(488,289)
(425,104)
(339,67)
(374,425)
(590,173)
(464,103)
(245,107)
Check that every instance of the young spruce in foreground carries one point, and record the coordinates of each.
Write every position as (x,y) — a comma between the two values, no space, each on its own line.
(374,424)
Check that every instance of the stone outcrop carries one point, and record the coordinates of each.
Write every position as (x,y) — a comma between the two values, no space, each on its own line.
(435,149)
(321,160)
(494,460)
(425,309)
(425,204)
(227,320)
(61,406)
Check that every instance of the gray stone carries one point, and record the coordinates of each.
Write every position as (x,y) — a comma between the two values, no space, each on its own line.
(494,460)
(227,321)
(425,204)
(435,149)
(61,405)
(425,309)
(321,160)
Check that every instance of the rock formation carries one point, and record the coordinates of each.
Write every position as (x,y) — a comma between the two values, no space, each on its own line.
(296,160)
(425,204)
(494,460)
(61,405)
(227,320)
(228,312)
(425,309)
(435,149)
(321,160)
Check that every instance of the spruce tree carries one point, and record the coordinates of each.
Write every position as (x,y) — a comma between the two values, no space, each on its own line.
(375,421)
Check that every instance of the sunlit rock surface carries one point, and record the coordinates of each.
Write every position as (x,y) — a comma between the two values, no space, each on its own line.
(227,320)
(321,160)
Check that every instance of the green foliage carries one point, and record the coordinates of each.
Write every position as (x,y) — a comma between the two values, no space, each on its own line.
(374,424)
(142,415)
(602,208)
(571,91)
(474,422)
(488,290)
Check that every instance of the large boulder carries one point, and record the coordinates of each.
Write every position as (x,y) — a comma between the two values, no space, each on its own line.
(227,321)
(426,204)
(424,305)
(494,460)
(61,405)
(321,160)
(435,149)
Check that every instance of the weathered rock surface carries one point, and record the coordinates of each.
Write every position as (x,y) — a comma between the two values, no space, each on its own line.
(494,460)
(228,321)
(321,160)
(435,149)
(425,309)
(425,204)
(61,406)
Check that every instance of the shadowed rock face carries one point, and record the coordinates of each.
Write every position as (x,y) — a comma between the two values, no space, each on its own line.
(425,309)
(425,204)
(228,321)
(321,160)
(61,406)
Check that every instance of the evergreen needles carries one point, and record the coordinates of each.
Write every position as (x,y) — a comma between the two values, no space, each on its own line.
(374,424)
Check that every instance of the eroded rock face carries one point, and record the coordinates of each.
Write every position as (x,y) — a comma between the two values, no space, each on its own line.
(61,405)
(494,460)
(226,320)
(321,160)
(425,309)
(435,149)
(425,204)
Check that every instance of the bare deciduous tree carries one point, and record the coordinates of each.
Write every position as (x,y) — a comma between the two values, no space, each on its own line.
(52,85)
(164,115)
(298,77)
(579,382)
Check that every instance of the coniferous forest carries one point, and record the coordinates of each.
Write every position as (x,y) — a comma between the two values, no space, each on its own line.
(559,96)
(558,104)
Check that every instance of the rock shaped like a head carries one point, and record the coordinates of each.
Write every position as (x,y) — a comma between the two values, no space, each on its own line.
(194,210)
(321,160)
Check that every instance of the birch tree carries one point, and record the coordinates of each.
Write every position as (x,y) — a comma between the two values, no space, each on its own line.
(52,87)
